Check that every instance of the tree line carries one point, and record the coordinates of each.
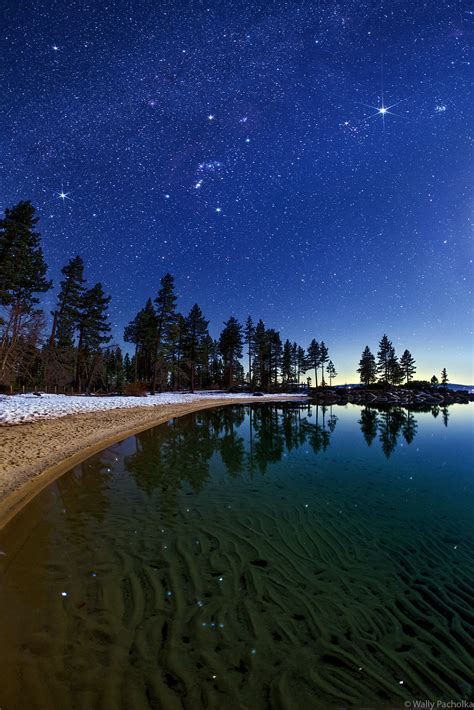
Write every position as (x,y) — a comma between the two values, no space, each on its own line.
(72,351)
(389,369)
(174,350)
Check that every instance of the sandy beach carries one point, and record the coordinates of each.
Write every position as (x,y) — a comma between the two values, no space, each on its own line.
(33,454)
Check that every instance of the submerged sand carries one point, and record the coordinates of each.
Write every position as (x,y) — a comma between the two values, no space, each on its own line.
(34,454)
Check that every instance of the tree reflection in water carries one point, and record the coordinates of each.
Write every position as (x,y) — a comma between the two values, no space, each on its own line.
(169,456)
(249,438)
(388,423)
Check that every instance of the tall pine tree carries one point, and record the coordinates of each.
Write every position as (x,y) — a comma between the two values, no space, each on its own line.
(166,316)
(249,337)
(195,340)
(407,363)
(323,358)
(94,329)
(230,345)
(314,358)
(385,356)
(367,367)
(22,276)
(59,354)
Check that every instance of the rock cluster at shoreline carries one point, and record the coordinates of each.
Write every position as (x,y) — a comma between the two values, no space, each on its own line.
(400,397)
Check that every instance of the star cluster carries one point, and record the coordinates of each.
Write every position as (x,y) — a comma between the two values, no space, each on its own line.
(307,163)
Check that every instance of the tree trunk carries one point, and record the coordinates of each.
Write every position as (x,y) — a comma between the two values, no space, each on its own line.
(77,374)
(231,367)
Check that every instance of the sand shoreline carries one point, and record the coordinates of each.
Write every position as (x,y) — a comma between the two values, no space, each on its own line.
(34,454)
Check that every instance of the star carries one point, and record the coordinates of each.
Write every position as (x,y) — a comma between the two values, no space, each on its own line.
(63,196)
(218,209)
(211,117)
(55,47)
(383,110)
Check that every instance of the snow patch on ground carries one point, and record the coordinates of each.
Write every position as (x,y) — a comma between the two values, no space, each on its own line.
(20,408)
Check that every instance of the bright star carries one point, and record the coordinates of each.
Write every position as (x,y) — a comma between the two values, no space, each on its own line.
(63,196)
(55,47)
(383,111)
(218,209)
(211,117)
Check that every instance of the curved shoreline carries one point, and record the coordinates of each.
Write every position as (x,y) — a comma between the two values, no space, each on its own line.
(34,454)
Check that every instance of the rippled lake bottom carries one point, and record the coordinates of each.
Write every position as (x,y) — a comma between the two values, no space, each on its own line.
(273,556)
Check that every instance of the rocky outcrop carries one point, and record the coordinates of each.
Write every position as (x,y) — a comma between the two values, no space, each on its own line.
(395,397)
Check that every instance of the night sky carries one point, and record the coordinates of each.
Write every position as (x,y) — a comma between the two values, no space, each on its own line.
(305,162)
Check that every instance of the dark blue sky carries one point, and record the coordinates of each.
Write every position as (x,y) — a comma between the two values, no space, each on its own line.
(240,146)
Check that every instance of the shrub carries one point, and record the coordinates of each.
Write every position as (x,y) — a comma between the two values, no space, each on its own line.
(135,389)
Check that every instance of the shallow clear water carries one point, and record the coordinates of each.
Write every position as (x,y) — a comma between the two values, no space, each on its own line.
(279,556)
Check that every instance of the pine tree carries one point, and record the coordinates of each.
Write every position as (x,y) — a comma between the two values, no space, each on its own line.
(286,362)
(22,265)
(166,315)
(323,358)
(59,361)
(444,378)
(249,338)
(407,363)
(314,358)
(113,369)
(385,360)
(276,355)
(331,370)
(141,331)
(294,360)
(178,369)
(230,345)
(216,367)
(94,329)
(395,370)
(128,368)
(367,367)
(22,276)
(301,362)
(194,340)
(434,381)
(260,355)
(66,314)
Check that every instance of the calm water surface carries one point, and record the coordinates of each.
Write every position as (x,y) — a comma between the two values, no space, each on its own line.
(273,556)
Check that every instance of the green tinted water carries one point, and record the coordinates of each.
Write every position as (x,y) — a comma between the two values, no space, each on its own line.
(279,556)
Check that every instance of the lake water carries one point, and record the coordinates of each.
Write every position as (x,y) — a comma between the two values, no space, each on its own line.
(273,556)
